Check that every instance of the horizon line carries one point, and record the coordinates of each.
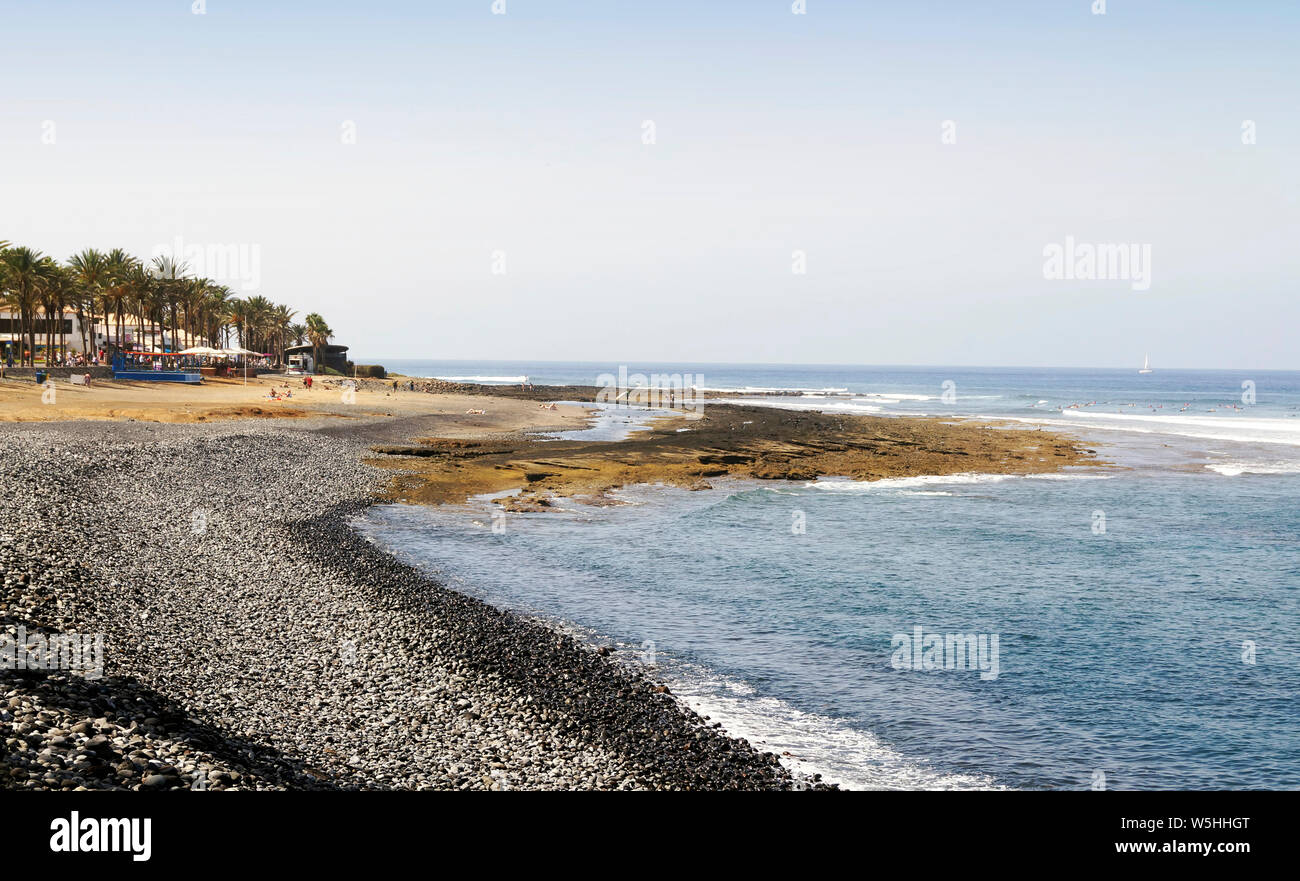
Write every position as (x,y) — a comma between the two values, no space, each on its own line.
(835,364)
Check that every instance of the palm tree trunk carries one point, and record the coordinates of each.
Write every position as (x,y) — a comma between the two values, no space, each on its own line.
(81,319)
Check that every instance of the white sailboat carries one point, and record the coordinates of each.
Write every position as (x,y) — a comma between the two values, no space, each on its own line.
(1146,364)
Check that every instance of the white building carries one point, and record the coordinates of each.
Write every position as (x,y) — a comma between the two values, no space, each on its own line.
(70,340)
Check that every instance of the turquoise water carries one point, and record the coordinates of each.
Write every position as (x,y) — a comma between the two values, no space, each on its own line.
(1145,616)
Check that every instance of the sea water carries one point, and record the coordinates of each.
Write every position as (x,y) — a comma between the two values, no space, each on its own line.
(1145,614)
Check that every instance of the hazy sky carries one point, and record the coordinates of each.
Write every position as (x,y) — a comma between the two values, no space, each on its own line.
(523,134)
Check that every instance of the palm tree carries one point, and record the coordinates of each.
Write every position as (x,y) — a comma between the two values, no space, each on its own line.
(236,319)
(169,278)
(28,272)
(319,333)
(258,318)
(142,293)
(215,309)
(91,270)
(117,290)
(158,295)
(281,319)
(57,289)
(8,299)
(193,297)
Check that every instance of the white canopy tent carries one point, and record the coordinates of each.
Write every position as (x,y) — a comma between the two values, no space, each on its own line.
(245,352)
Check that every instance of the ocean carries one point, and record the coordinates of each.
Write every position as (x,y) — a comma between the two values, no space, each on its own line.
(1128,627)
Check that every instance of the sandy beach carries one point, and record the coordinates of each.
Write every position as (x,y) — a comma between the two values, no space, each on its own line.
(22,400)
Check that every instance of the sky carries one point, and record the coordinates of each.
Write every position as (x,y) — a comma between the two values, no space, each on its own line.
(688,182)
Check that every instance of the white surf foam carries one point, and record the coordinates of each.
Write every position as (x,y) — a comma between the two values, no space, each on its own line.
(894,397)
(806,743)
(1244,429)
(766,390)
(1234,469)
(809,744)
(820,405)
(907,483)
(843,486)
(510,379)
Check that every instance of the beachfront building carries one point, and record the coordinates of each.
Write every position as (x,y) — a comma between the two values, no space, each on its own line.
(61,337)
(304,358)
(143,334)
(75,337)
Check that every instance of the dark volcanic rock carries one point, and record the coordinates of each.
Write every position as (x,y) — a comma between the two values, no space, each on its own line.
(253,640)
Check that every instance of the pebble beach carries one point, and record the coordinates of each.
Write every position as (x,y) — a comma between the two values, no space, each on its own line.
(251,639)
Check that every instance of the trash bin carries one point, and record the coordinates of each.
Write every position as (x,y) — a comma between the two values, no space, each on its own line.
(40,377)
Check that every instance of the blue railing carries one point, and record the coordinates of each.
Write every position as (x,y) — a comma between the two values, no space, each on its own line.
(147,375)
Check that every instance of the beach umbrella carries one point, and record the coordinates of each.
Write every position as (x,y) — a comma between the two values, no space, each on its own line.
(240,352)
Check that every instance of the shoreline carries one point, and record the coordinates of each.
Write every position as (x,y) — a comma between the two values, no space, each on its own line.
(810,743)
(196,683)
(199,692)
